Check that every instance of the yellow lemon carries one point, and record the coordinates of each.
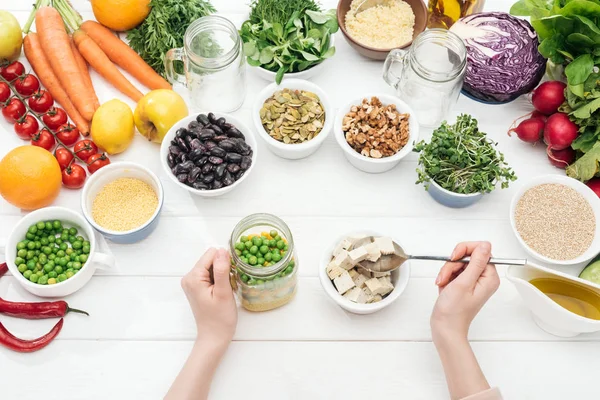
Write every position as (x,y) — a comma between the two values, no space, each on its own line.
(112,126)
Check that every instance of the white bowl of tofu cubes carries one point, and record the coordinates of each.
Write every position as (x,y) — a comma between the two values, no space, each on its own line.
(354,288)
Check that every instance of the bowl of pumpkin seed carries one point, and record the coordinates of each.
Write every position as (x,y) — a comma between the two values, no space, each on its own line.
(293,118)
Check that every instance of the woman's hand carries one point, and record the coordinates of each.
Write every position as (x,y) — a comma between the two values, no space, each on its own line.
(212,303)
(463,289)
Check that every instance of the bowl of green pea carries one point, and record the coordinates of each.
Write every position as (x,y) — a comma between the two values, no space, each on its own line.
(52,252)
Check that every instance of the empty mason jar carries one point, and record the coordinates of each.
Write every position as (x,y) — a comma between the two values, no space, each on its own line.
(428,76)
(213,63)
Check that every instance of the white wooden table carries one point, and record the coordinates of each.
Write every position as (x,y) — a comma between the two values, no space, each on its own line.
(141,330)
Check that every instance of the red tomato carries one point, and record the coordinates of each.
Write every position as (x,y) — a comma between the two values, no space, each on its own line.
(26,127)
(96,162)
(27,84)
(74,176)
(67,134)
(13,110)
(63,156)
(84,149)
(40,102)
(12,71)
(4,92)
(54,118)
(43,139)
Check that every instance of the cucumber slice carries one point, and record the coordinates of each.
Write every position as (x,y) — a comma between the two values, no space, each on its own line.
(591,272)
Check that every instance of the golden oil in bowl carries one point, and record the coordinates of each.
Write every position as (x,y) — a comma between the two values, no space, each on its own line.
(571,296)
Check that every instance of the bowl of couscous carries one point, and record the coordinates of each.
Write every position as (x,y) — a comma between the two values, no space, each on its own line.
(123,201)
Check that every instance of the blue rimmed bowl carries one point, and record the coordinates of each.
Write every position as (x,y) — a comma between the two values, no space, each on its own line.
(108,174)
(451,199)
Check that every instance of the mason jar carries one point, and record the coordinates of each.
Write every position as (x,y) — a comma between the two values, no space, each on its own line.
(273,283)
(429,76)
(213,64)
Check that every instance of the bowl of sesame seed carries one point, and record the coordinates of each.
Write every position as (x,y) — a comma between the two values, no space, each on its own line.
(123,201)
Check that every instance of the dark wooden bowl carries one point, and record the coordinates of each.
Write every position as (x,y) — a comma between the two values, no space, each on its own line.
(419,9)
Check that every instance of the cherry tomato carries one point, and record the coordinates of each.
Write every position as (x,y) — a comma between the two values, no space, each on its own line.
(26,127)
(74,176)
(4,92)
(63,156)
(96,162)
(40,102)
(54,118)
(67,134)
(26,85)
(43,139)
(13,109)
(12,71)
(84,149)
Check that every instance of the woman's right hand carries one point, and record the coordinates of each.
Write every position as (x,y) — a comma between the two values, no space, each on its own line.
(463,290)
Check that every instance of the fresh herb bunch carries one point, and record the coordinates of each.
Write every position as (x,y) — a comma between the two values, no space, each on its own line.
(164,29)
(460,158)
(288,35)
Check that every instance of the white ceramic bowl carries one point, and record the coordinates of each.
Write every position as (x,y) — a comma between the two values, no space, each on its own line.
(70,219)
(582,189)
(376,165)
(306,74)
(299,150)
(239,124)
(399,279)
(108,174)
(451,199)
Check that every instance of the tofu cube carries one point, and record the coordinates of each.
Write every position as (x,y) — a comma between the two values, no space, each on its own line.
(387,284)
(376,287)
(380,274)
(343,260)
(359,280)
(385,244)
(353,273)
(373,252)
(359,254)
(343,283)
(343,245)
(356,295)
(333,271)
(374,299)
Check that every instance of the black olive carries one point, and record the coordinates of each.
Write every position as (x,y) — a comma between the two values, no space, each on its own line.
(216,185)
(215,160)
(209,145)
(220,138)
(233,168)
(217,151)
(235,133)
(206,168)
(220,171)
(183,145)
(239,175)
(200,186)
(246,163)
(228,179)
(208,178)
(221,121)
(202,119)
(171,160)
(228,145)
(233,158)
(175,150)
(182,178)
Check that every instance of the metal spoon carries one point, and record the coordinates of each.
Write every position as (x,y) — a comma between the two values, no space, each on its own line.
(390,262)
(368,4)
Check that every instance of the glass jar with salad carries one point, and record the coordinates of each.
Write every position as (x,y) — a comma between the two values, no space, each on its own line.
(265,264)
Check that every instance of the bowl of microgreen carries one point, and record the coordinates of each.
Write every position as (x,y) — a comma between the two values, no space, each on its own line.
(288,37)
(460,164)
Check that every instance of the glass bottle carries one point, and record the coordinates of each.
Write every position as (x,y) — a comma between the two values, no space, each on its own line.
(444,13)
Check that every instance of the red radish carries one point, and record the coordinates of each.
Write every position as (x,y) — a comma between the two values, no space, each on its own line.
(594,184)
(529,130)
(559,132)
(548,97)
(561,158)
(538,115)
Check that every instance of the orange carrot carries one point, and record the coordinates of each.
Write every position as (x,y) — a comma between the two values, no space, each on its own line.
(83,68)
(57,48)
(124,56)
(35,55)
(94,55)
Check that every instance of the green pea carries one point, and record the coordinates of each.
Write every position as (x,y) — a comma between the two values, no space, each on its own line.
(257,241)
(275,251)
(246,253)
(72,231)
(47,250)
(40,226)
(292,263)
(239,246)
(73,257)
(51,263)
(280,244)
(43,280)
(51,239)
(33,278)
(273,233)
(52,256)
(244,239)
(268,257)
(72,238)
(27,274)
(260,261)
(36,252)
(76,265)
(30,254)
(52,274)
(259,281)
(65,231)
(32,229)
(251,281)
(31,245)
(239,253)
(64,237)
(29,236)
(62,278)
(69,274)
(253,250)
(58,241)
(285,247)
(80,238)
(21,245)
(289,269)
(252,260)
(83,258)
(22,253)
(264,249)
(62,261)
(70,264)
(277,238)
(69,251)
(48,226)
(78,252)
(58,269)
(248,244)
(86,249)
(48,267)
(276,257)
(57,225)
(22,268)
(244,259)
(31,265)
(86,243)
(19,260)
(42,261)
(60,253)
(51,281)
(272,243)
(244,277)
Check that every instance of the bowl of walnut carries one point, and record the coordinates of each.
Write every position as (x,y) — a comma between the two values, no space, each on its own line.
(376,132)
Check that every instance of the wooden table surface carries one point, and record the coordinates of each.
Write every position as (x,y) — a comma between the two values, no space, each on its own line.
(141,329)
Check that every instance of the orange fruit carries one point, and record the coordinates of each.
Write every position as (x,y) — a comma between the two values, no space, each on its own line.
(121,15)
(30,177)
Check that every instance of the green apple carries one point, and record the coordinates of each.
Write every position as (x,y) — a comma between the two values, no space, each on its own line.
(157,112)
(12,38)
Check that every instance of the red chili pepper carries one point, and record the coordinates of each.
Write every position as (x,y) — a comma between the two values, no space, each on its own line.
(3,269)
(28,346)
(40,310)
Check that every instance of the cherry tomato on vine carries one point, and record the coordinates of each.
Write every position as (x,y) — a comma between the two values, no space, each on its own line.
(96,162)
(67,134)
(27,84)
(63,156)
(84,149)
(13,109)
(54,118)
(40,102)
(4,92)
(74,176)
(12,71)
(43,139)
(26,127)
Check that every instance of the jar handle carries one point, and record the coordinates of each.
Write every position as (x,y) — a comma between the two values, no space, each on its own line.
(395,56)
(172,76)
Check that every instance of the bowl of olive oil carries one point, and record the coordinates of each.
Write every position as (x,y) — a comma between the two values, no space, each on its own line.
(561,304)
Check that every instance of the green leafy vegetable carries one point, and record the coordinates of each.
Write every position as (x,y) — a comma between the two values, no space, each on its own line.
(460,158)
(586,167)
(287,35)
(164,29)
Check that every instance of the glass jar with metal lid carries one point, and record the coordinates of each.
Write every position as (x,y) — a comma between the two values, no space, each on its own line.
(265,263)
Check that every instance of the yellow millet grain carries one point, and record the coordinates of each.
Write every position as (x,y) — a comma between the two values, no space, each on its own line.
(124,204)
